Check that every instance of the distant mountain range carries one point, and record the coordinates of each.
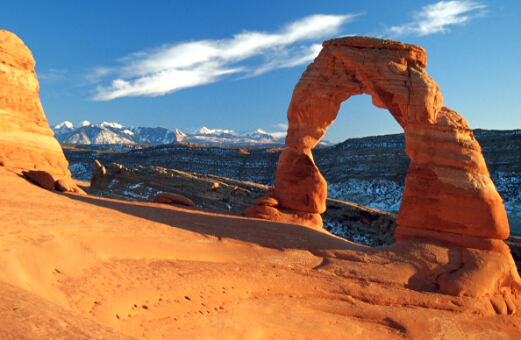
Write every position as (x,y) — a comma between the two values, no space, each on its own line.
(111,133)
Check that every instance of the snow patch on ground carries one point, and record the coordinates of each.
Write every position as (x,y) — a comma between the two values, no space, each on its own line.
(342,230)
(378,193)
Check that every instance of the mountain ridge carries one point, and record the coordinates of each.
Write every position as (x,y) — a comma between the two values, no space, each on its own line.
(108,133)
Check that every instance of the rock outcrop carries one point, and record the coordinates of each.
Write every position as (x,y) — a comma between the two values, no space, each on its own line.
(173,198)
(40,178)
(449,197)
(26,140)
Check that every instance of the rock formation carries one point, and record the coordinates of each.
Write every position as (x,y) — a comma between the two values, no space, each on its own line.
(449,196)
(173,198)
(26,140)
(41,178)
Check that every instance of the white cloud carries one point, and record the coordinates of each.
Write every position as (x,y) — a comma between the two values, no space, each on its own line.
(97,74)
(286,59)
(174,67)
(283,126)
(52,73)
(436,18)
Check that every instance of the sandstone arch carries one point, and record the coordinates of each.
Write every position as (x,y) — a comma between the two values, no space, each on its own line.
(448,195)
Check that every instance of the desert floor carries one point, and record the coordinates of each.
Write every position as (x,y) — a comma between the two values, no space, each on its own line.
(77,267)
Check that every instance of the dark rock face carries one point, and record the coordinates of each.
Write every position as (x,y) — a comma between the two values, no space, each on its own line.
(369,171)
(41,178)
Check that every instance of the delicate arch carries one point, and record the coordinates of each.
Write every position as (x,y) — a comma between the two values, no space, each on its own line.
(448,187)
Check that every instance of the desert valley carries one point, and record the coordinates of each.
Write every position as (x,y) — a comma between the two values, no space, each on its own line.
(171,235)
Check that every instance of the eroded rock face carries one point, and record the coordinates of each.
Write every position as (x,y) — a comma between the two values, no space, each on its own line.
(449,197)
(300,185)
(26,140)
(448,184)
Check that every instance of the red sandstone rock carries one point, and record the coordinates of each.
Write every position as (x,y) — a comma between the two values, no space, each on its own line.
(26,140)
(66,184)
(41,178)
(267,201)
(77,190)
(449,198)
(299,185)
(312,220)
(63,185)
(172,198)
(448,186)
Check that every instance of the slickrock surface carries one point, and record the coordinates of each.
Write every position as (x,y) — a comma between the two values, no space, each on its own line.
(26,140)
(105,268)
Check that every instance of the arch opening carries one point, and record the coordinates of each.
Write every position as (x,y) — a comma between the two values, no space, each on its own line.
(367,168)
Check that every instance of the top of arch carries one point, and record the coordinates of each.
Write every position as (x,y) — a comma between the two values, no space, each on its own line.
(378,43)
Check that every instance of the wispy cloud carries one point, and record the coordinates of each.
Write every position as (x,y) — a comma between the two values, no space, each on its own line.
(52,73)
(174,67)
(97,74)
(283,126)
(436,18)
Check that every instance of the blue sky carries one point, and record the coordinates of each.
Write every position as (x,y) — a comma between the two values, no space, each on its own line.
(234,64)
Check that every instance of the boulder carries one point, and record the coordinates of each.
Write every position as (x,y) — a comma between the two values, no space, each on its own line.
(173,198)
(41,178)
(26,140)
(66,184)
(63,185)
(267,201)
(267,212)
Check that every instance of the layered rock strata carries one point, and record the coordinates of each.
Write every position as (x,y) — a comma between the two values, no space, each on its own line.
(26,140)
(449,197)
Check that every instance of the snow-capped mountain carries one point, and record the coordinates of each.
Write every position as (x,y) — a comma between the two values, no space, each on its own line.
(114,133)
(87,133)
(63,127)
